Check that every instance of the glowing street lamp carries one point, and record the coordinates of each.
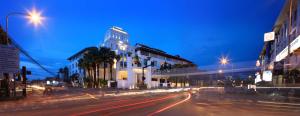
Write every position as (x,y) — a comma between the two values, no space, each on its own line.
(224,61)
(33,16)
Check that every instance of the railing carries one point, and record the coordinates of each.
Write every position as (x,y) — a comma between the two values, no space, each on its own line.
(175,71)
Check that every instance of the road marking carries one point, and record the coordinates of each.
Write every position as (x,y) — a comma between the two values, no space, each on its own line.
(170,106)
(278,103)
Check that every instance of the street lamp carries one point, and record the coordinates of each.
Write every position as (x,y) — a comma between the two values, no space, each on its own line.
(224,61)
(33,16)
(220,71)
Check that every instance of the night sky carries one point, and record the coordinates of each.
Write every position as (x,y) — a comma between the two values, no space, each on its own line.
(198,30)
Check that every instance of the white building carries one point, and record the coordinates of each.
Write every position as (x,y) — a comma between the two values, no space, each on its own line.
(128,71)
(73,64)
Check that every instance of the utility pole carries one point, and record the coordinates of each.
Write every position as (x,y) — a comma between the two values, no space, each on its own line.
(143,68)
(24,80)
(289,36)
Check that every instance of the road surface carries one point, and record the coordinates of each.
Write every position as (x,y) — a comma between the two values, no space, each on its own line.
(204,102)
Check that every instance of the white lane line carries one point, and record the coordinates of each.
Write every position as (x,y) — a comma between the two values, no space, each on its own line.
(279,103)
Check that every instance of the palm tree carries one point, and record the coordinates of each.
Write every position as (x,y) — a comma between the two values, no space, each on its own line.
(94,59)
(89,61)
(104,54)
(111,58)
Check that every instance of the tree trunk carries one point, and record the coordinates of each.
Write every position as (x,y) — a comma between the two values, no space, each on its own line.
(104,71)
(176,82)
(95,80)
(111,77)
(84,75)
(98,71)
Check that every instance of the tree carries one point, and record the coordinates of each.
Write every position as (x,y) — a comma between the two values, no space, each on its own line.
(93,56)
(104,54)
(111,58)
(93,60)
(89,61)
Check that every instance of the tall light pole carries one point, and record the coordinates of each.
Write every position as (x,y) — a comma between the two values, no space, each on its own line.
(224,61)
(33,16)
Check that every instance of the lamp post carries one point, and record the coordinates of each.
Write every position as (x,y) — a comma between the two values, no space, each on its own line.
(33,16)
(224,61)
(143,73)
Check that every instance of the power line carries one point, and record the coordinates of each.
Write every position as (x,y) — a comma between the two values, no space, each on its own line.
(30,58)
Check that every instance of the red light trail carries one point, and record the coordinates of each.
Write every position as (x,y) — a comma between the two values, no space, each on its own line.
(127,105)
(170,106)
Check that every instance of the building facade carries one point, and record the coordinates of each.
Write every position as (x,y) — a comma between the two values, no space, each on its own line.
(136,64)
(73,68)
(281,51)
(9,63)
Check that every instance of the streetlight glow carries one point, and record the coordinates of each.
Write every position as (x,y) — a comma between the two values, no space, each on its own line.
(224,61)
(35,17)
(220,71)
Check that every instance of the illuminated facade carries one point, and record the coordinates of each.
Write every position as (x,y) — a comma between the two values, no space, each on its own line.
(73,67)
(282,53)
(128,71)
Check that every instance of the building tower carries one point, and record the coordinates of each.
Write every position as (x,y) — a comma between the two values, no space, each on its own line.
(117,40)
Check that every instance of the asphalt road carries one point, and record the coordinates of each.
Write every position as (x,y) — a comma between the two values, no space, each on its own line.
(145,104)
(206,102)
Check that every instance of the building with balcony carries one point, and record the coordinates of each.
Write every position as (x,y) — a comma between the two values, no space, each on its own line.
(281,51)
(136,64)
(73,68)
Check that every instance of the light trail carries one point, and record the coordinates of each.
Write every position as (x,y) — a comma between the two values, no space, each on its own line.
(170,106)
(278,87)
(37,87)
(150,91)
(131,108)
(120,106)
(93,97)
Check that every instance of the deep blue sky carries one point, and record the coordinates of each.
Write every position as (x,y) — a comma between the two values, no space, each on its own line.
(199,30)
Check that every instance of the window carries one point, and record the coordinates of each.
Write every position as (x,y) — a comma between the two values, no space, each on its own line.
(154,63)
(125,64)
(144,53)
(145,62)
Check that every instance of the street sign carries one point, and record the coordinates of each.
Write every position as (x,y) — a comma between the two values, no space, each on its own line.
(269,36)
